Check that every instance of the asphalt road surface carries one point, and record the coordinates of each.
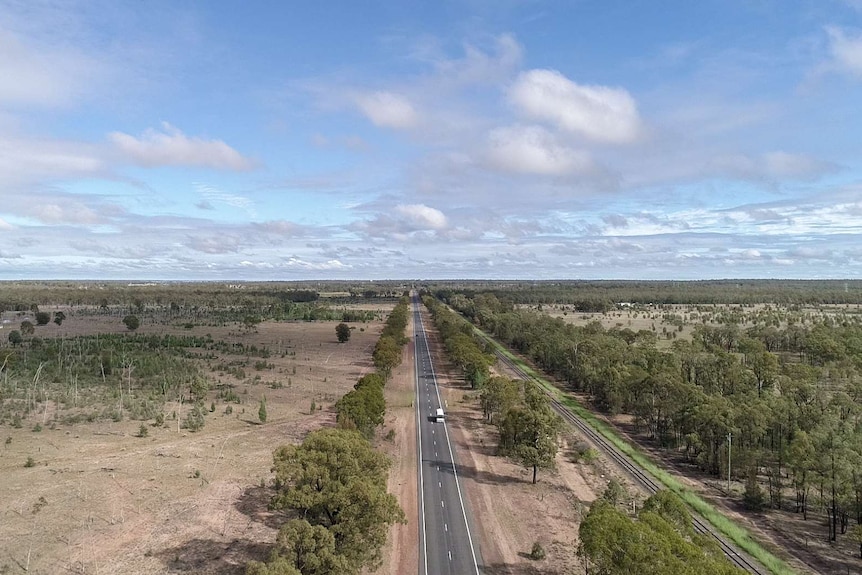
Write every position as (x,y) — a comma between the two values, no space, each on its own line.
(445,544)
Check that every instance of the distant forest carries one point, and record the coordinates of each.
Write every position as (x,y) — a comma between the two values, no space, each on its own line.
(603,295)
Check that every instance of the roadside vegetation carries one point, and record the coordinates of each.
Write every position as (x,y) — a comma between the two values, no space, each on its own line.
(768,395)
(333,485)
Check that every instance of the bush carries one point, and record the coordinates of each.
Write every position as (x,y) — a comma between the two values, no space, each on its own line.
(538,552)
(15,337)
(30,462)
(752,499)
(195,419)
(143,431)
(42,317)
(131,322)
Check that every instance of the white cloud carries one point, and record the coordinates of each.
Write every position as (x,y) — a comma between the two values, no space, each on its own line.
(422,217)
(479,66)
(534,150)
(786,165)
(307,265)
(846,49)
(211,194)
(599,113)
(170,147)
(281,228)
(33,160)
(43,76)
(4,225)
(387,109)
(221,244)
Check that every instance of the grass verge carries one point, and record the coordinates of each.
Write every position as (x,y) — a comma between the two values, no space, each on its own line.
(735,533)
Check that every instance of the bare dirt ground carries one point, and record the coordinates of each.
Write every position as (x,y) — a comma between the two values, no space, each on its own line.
(401,553)
(99,499)
(509,512)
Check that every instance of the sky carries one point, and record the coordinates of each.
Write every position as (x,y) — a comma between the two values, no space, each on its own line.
(498,139)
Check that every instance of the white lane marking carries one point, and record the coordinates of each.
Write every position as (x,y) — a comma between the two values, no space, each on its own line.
(445,527)
(450,555)
(442,504)
(421,475)
(452,458)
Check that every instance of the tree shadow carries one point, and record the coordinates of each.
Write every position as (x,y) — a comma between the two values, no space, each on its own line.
(468,472)
(504,569)
(254,504)
(208,557)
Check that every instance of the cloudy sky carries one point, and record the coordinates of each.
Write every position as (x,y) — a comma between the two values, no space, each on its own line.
(413,139)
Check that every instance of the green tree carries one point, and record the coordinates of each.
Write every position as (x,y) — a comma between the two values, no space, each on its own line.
(277,566)
(387,354)
(59,317)
(856,535)
(250,322)
(335,479)
(498,396)
(529,434)
(800,458)
(27,328)
(42,317)
(342,331)
(671,508)
(310,548)
(131,322)
(615,493)
(261,412)
(362,409)
(15,337)
(196,418)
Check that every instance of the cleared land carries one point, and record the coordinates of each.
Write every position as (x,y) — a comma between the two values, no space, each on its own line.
(100,499)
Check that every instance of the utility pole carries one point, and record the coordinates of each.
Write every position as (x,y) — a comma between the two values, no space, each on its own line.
(729,442)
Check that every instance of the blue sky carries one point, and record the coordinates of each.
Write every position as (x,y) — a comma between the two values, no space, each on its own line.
(471,139)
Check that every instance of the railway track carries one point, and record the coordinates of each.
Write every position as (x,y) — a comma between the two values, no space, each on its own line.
(640,475)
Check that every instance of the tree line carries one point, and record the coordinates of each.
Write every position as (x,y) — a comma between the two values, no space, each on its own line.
(789,399)
(601,295)
(462,346)
(333,485)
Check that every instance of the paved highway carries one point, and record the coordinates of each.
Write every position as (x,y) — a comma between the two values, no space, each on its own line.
(445,543)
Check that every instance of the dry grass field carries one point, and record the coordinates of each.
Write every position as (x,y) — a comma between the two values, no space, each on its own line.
(100,499)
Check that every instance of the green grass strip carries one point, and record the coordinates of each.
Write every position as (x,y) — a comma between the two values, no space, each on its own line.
(739,535)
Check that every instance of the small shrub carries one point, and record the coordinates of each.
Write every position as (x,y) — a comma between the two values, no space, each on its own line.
(212,407)
(30,462)
(537,553)
(143,431)
(197,474)
(8,440)
(37,428)
(195,419)
(160,419)
(390,436)
(313,407)
(228,410)
(261,412)
(753,498)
